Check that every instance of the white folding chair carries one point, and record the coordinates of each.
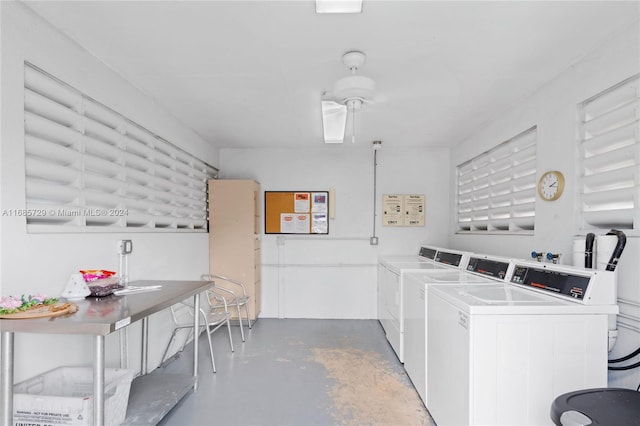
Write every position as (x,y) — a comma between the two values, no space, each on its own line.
(233,299)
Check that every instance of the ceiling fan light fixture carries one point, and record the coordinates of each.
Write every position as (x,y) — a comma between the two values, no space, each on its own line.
(334,121)
(338,6)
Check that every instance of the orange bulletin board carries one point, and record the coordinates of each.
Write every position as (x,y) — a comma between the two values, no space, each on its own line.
(296,212)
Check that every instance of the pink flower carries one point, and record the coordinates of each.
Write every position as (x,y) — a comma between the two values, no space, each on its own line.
(40,297)
(10,302)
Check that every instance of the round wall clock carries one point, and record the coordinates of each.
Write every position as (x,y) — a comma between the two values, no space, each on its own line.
(551,185)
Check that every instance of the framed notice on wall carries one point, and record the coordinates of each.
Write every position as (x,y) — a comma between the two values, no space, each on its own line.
(296,212)
(392,210)
(403,210)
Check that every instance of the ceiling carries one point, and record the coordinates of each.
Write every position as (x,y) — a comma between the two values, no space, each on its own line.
(250,74)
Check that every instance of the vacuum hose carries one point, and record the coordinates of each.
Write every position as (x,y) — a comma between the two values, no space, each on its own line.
(588,250)
(622,241)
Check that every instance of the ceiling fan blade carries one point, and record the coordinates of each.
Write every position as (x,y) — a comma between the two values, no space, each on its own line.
(329,96)
(334,121)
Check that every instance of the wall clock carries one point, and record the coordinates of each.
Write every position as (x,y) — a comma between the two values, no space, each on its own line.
(551,185)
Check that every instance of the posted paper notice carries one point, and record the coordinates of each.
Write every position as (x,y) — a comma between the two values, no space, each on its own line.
(294,223)
(302,202)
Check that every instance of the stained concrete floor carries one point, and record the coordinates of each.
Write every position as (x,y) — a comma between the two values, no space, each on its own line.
(299,372)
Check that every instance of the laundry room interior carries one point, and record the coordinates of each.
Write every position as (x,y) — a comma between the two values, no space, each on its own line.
(484,131)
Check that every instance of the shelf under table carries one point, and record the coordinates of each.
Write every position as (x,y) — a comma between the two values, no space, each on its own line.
(152,396)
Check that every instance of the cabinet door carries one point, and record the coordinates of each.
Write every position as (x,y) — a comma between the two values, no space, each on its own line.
(234,235)
(234,203)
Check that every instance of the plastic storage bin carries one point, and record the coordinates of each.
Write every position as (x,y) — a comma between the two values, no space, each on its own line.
(64,396)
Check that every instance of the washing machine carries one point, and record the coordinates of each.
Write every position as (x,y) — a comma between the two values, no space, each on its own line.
(481,270)
(500,354)
(387,282)
(391,272)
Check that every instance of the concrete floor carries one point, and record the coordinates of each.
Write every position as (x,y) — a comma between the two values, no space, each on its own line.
(299,372)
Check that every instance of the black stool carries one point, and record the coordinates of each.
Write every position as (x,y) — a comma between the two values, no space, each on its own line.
(604,406)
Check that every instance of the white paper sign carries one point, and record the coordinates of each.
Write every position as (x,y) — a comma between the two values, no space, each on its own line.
(302,203)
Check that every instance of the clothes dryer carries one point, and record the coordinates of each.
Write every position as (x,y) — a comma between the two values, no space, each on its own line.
(425,253)
(481,270)
(500,354)
(391,272)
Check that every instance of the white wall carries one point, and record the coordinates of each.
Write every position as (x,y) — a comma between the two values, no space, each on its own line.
(32,263)
(554,110)
(334,276)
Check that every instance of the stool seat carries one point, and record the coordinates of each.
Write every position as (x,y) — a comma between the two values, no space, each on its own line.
(601,406)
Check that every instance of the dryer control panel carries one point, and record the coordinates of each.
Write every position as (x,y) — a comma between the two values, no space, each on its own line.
(552,281)
(449,258)
(428,252)
(488,267)
(581,285)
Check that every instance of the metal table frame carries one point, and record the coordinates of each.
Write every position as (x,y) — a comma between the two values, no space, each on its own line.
(123,310)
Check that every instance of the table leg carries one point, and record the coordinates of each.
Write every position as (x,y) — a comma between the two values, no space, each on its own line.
(145,347)
(98,381)
(196,337)
(7,378)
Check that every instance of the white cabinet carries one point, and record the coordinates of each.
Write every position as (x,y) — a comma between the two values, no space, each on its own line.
(234,235)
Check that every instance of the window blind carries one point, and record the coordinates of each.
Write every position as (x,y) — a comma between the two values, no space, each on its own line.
(609,129)
(496,190)
(88,168)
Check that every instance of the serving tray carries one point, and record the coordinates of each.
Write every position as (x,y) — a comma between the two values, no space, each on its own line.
(43,311)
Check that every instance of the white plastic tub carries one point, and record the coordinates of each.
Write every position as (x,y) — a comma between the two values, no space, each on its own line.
(64,396)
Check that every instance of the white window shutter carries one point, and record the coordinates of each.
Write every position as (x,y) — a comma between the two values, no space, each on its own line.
(88,168)
(609,147)
(496,189)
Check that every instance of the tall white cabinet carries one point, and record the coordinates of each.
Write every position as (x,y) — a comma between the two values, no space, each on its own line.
(234,235)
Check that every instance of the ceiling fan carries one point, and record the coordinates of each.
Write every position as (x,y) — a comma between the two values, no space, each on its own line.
(349,94)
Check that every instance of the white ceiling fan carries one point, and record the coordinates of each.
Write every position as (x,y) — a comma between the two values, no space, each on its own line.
(349,94)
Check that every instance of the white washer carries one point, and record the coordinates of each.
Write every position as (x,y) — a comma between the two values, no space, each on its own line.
(389,282)
(481,270)
(391,272)
(499,354)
